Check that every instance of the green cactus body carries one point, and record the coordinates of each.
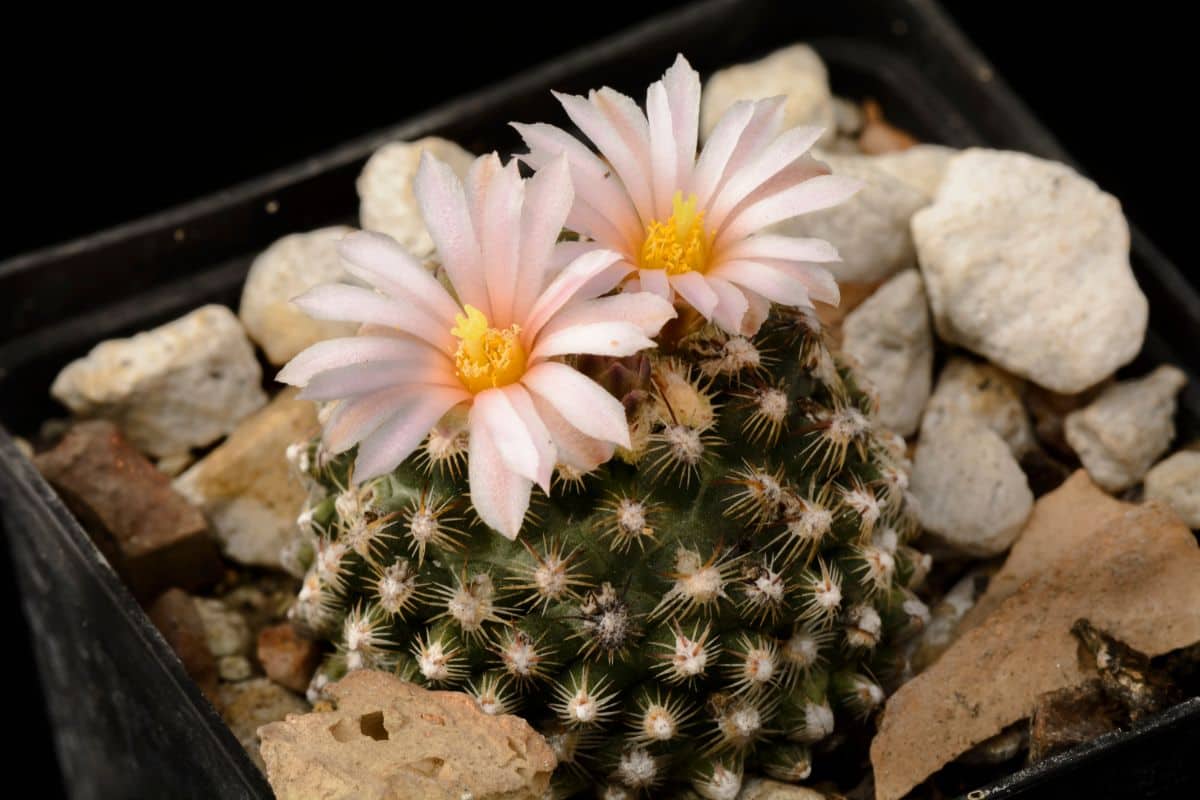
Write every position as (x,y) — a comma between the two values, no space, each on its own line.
(724,597)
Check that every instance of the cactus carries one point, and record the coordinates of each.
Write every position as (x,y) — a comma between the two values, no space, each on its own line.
(721,598)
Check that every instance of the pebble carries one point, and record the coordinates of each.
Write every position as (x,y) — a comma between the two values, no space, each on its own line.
(988,395)
(1175,481)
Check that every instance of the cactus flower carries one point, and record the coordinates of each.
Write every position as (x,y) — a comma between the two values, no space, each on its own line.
(694,227)
(491,346)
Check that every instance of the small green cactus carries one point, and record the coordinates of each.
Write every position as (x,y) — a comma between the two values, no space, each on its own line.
(722,598)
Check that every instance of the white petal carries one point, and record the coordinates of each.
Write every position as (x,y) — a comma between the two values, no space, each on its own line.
(499,495)
(814,194)
(498,194)
(444,209)
(381,261)
(548,198)
(731,305)
(663,155)
(596,338)
(522,403)
(766,165)
(575,448)
(357,417)
(334,353)
(394,440)
(514,441)
(710,166)
(655,280)
(683,95)
(788,248)
(580,400)
(771,283)
(646,310)
(565,287)
(756,314)
(356,379)
(694,288)
(343,303)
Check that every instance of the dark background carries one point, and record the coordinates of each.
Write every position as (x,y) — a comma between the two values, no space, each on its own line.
(107,120)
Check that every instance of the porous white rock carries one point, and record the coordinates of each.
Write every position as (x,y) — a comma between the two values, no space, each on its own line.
(385,190)
(971,494)
(985,393)
(890,337)
(1027,263)
(871,229)
(796,72)
(184,384)
(225,630)
(921,166)
(1121,433)
(1175,481)
(287,269)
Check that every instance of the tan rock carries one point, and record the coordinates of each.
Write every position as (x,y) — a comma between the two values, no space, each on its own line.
(1138,578)
(763,789)
(246,487)
(391,739)
(288,268)
(246,706)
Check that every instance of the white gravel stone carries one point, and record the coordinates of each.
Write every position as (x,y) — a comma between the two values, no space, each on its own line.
(985,393)
(1175,481)
(182,385)
(385,190)
(1127,428)
(795,72)
(921,166)
(971,494)
(871,229)
(225,630)
(1027,263)
(287,269)
(890,337)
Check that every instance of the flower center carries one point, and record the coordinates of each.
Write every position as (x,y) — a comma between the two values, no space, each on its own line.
(486,357)
(679,245)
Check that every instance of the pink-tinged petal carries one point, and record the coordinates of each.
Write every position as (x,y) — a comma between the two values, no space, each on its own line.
(394,440)
(379,260)
(357,379)
(498,194)
(694,288)
(586,220)
(575,448)
(710,166)
(499,495)
(598,119)
(494,411)
(819,281)
(580,400)
(447,215)
(823,191)
(683,96)
(757,311)
(647,311)
(548,199)
(655,280)
(766,165)
(664,158)
(522,403)
(771,283)
(354,419)
(597,338)
(802,169)
(343,303)
(731,305)
(786,248)
(591,178)
(564,288)
(334,353)
(762,129)
(566,252)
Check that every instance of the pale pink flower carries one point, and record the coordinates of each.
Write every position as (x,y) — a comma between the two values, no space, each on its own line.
(422,351)
(692,226)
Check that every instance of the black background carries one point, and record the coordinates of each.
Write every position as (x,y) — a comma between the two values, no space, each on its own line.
(107,119)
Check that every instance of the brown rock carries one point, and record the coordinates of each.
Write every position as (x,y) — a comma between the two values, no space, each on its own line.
(1138,577)
(880,136)
(1067,717)
(150,534)
(174,614)
(288,658)
(1061,524)
(391,739)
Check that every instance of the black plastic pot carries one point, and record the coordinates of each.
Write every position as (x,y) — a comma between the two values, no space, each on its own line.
(128,722)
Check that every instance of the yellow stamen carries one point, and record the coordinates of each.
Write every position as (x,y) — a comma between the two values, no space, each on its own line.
(486,357)
(679,245)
